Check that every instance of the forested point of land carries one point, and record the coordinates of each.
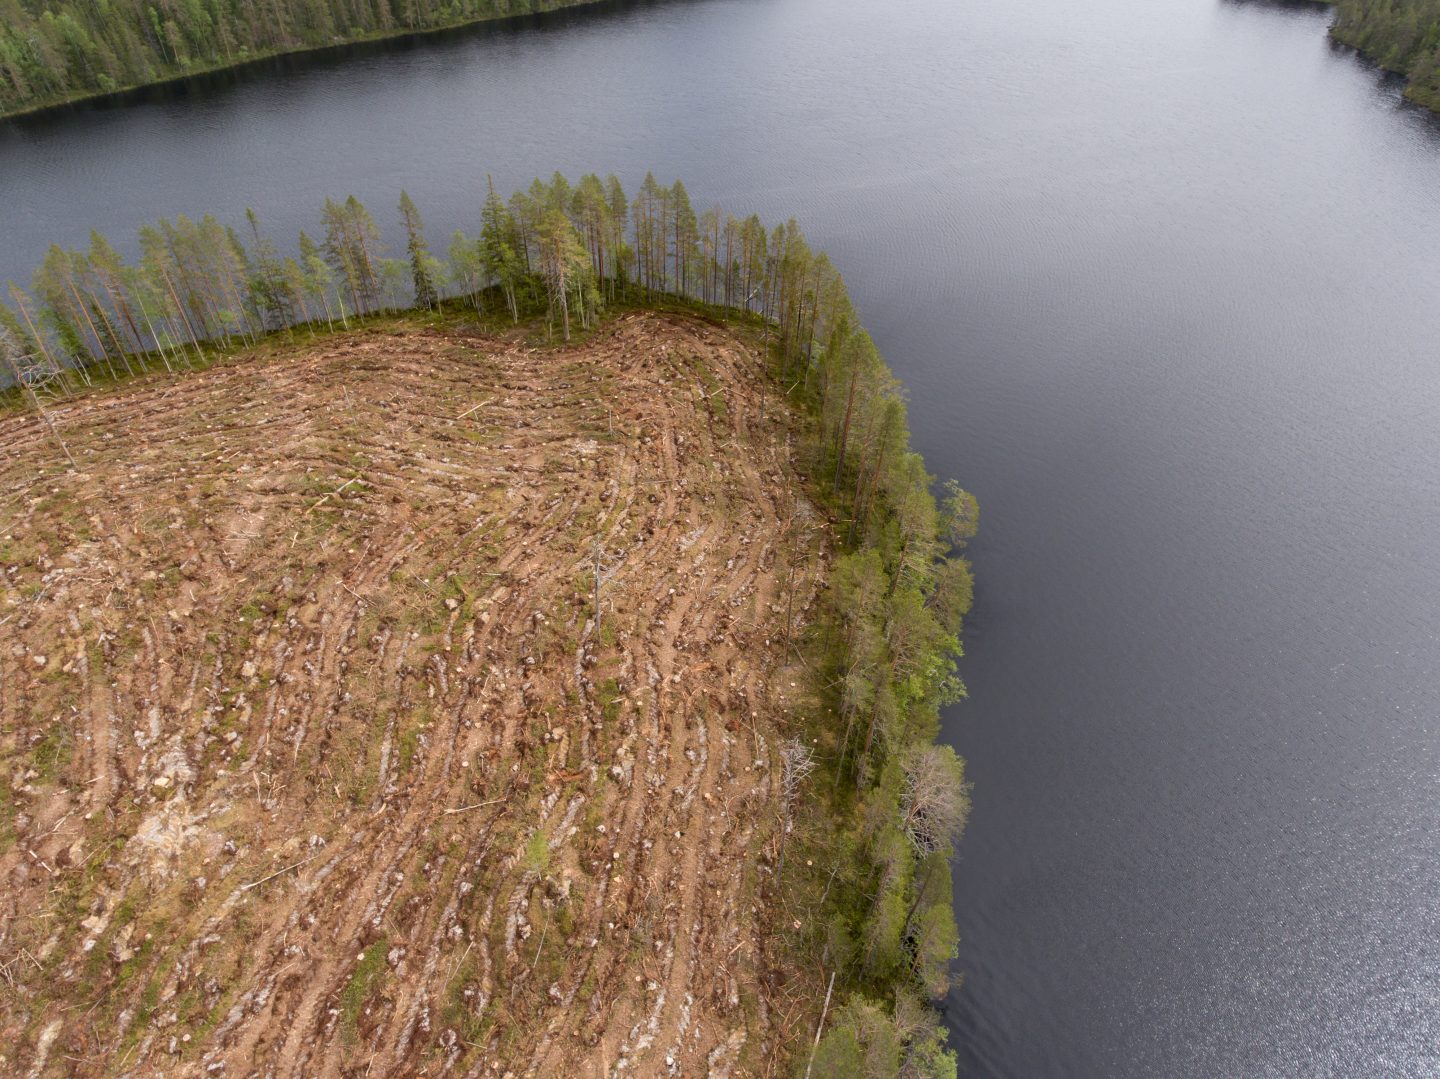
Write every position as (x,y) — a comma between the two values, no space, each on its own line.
(868,805)
(54,51)
(1402,36)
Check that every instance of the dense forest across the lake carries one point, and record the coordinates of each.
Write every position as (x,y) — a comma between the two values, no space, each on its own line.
(868,805)
(1401,36)
(53,51)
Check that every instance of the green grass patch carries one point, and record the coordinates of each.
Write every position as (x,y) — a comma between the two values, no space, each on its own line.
(357,991)
(52,752)
(609,698)
(537,853)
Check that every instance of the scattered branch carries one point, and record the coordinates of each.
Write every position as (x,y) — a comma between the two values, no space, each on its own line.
(278,872)
(821,1028)
(477,805)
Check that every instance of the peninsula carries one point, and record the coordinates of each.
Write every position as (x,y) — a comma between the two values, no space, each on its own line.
(525,661)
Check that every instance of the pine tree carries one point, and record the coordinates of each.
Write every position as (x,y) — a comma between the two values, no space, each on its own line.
(683,232)
(270,288)
(352,249)
(621,254)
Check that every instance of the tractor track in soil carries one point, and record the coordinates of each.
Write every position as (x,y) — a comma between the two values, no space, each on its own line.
(314,760)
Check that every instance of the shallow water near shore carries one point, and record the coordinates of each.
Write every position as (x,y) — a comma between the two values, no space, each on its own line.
(1163,279)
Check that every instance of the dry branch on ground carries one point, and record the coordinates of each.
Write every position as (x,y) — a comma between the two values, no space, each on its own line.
(312,761)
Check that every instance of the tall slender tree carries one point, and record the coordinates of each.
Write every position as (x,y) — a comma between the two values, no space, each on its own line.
(421,263)
(499,259)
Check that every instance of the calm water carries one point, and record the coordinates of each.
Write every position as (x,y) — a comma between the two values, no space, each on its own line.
(1164,279)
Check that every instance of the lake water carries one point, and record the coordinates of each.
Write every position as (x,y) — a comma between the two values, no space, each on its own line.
(1163,277)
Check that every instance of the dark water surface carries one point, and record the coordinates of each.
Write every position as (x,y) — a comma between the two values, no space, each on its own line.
(1163,277)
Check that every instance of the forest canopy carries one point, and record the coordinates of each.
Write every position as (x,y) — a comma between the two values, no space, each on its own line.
(59,50)
(1401,36)
(52,51)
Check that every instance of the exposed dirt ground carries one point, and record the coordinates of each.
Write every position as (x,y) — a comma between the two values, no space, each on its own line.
(313,761)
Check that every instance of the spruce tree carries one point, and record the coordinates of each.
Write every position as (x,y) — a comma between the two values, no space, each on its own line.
(425,292)
(498,258)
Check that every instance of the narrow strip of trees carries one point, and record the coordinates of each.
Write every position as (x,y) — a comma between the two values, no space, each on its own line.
(881,805)
(201,285)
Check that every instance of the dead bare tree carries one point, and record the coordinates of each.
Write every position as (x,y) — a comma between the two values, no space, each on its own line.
(602,575)
(38,378)
(937,799)
(797,761)
(934,808)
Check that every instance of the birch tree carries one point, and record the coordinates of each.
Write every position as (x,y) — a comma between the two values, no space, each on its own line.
(564,266)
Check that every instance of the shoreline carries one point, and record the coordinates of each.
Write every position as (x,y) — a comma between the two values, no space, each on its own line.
(133,92)
(1408,70)
(851,853)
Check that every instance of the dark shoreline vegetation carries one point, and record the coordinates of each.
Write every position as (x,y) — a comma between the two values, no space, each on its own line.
(1402,36)
(872,805)
(58,52)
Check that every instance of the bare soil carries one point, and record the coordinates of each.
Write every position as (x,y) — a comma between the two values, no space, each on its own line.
(313,760)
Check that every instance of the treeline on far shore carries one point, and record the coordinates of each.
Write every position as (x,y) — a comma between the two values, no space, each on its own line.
(53,51)
(871,804)
(1402,36)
